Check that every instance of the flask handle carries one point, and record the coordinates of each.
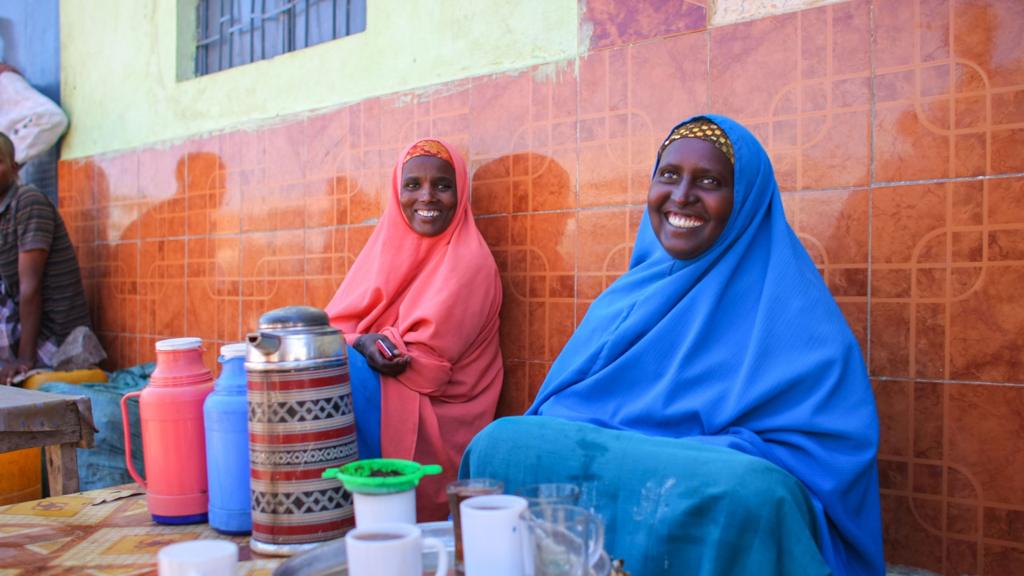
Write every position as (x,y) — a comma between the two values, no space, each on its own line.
(128,438)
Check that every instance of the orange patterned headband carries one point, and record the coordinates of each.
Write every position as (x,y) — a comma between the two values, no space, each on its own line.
(705,130)
(429,148)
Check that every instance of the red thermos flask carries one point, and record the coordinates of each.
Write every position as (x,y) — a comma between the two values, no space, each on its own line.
(173,440)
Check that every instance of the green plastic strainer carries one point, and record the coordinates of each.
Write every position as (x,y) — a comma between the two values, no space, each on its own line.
(381,475)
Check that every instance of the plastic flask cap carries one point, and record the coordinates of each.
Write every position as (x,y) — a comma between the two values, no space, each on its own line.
(235,350)
(178,344)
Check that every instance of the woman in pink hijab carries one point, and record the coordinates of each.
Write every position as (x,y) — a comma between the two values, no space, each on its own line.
(419,309)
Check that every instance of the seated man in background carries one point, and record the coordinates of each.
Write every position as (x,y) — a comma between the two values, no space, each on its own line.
(44,319)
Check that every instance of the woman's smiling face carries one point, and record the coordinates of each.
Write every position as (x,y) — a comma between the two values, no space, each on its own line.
(428,194)
(691,197)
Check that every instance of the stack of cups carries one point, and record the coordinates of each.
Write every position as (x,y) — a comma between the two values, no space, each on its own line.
(539,533)
(458,492)
(386,540)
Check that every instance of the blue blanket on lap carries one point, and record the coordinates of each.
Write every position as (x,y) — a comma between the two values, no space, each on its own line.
(669,506)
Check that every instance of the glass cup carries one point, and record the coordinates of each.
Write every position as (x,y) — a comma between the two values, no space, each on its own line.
(459,491)
(561,540)
(551,493)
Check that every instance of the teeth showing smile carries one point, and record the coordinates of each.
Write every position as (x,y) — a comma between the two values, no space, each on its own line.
(428,213)
(681,221)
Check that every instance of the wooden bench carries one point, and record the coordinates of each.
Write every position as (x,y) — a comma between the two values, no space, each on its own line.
(58,423)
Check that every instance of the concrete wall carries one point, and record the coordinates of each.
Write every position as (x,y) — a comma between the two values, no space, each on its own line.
(120,66)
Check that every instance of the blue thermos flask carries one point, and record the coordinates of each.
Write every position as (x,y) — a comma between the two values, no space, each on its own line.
(226,418)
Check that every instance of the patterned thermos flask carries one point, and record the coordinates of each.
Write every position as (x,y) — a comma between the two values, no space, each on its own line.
(301,421)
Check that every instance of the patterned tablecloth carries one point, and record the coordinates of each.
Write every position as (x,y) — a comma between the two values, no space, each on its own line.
(100,532)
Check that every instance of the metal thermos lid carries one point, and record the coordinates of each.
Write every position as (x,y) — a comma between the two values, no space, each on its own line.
(294,338)
(291,317)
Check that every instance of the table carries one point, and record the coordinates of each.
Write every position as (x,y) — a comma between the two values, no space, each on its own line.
(29,418)
(99,532)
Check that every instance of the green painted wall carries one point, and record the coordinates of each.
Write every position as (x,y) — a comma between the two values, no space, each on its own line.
(120,64)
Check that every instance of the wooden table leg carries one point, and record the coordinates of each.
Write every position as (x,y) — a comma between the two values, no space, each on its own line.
(62,469)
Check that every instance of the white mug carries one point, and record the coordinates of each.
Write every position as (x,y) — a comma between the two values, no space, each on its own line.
(492,532)
(391,550)
(198,558)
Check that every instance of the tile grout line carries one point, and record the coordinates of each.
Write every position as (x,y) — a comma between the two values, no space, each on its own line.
(186,184)
(597,208)
(871,174)
(305,233)
(912,400)
(241,261)
(576,208)
(947,312)
(948,288)
(950,180)
(707,67)
(948,381)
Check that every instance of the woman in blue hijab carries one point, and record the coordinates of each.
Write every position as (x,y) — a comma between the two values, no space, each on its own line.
(721,335)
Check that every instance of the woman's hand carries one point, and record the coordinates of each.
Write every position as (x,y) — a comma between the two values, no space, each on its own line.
(367,346)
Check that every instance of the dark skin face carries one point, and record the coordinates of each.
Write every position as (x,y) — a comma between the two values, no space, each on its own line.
(690,198)
(8,168)
(428,196)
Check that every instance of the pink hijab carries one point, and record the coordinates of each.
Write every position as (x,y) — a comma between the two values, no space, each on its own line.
(437,298)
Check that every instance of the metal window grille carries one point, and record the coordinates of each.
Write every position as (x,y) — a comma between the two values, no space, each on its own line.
(235,32)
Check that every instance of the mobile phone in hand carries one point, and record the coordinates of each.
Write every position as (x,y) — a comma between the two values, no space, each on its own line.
(386,349)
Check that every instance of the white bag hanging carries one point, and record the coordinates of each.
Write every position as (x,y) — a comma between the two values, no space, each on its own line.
(31,120)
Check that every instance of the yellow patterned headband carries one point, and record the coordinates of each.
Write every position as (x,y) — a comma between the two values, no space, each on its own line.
(429,148)
(705,130)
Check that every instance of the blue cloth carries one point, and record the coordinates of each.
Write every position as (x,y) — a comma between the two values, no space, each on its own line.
(365,383)
(669,506)
(103,465)
(741,347)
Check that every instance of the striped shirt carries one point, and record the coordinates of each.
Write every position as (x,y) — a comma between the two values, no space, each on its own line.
(29,221)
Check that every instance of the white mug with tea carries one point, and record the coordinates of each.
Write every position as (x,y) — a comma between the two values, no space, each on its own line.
(492,530)
(391,550)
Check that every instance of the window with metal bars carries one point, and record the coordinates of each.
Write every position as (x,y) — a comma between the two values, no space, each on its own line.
(235,32)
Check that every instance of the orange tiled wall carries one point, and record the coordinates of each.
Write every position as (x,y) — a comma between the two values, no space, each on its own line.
(897,131)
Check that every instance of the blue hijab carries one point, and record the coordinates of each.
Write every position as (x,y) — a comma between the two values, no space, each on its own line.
(743,347)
